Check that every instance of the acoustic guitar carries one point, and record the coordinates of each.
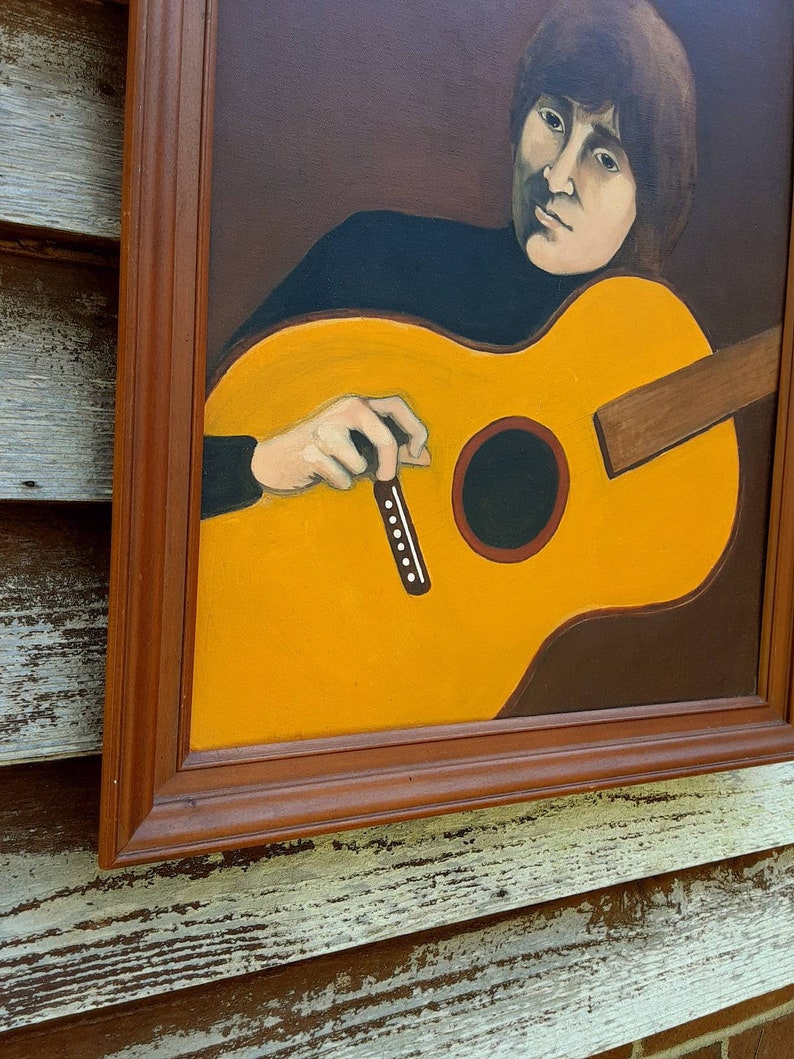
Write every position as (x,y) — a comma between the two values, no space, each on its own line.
(595,469)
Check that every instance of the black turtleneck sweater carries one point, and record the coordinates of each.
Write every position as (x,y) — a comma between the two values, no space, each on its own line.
(476,283)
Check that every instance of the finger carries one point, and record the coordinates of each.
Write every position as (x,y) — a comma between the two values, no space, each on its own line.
(360,416)
(327,469)
(334,440)
(422,460)
(396,408)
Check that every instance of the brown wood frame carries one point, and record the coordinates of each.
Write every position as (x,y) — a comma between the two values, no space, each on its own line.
(161,801)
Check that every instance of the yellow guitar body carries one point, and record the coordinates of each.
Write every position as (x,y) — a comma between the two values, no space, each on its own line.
(303,627)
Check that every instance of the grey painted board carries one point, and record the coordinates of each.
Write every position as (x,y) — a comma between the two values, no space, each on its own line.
(57,379)
(61,105)
(53,621)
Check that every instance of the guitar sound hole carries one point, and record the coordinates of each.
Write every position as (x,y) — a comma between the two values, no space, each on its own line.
(509,489)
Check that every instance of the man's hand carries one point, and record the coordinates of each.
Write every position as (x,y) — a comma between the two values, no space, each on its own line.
(322,449)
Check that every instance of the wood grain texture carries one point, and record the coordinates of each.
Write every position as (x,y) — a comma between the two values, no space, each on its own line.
(561,981)
(53,603)
(75,939)
(57,379)
(61,105)
(645,422)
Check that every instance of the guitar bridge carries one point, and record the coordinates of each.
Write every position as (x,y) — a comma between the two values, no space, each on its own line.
(401,536)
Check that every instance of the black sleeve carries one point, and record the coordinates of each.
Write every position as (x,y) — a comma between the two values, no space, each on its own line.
(227,483)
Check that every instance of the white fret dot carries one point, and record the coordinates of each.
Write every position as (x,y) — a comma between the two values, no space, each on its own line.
(397,534)
(406,562)
(388,505)
(392,519)
(411,577)
(401,547)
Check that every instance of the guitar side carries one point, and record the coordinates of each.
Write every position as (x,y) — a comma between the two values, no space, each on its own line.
(304,628)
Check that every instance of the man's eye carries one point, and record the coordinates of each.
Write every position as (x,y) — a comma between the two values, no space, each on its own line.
(607,161)
(552,119)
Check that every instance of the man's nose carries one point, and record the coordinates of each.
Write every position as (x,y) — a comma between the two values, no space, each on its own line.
(561,173)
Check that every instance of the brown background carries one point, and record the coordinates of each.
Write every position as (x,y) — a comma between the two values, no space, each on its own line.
(331,106)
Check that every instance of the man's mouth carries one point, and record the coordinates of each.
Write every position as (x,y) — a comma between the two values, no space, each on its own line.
(549,219)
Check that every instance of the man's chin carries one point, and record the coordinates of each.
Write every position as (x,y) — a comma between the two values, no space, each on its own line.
(542,251)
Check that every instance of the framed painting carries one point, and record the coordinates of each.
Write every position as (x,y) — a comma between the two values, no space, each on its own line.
(454,410)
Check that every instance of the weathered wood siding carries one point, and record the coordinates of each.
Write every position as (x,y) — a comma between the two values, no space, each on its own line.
(560,981)
(57,378)
(53,629)
(61,106)
(208,918)
(554,929)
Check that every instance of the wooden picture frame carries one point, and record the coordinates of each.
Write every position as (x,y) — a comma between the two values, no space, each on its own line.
(162,800)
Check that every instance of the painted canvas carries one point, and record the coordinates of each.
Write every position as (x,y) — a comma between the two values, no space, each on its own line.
(494,320)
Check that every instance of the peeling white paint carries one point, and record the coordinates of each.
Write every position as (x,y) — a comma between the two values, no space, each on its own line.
(549,984)
(75,939)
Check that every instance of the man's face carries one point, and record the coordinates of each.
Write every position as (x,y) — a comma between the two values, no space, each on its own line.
(574,195)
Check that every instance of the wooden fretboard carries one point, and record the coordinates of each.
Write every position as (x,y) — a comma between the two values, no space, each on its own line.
(647,421)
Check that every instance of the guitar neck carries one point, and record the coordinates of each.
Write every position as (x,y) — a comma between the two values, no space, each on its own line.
(645,422)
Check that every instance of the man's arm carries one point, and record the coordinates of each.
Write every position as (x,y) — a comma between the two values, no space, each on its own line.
(351,437)
(342,270)
(227,482)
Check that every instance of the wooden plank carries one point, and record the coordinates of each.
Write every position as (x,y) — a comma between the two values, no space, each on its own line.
(61,105)
(57,379)
(562,981)
(53,601)
(67,931)
(645,422)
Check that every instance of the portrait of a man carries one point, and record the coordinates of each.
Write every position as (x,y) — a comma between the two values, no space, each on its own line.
(427,238)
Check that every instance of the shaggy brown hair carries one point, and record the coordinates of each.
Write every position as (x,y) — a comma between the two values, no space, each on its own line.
(620,52)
